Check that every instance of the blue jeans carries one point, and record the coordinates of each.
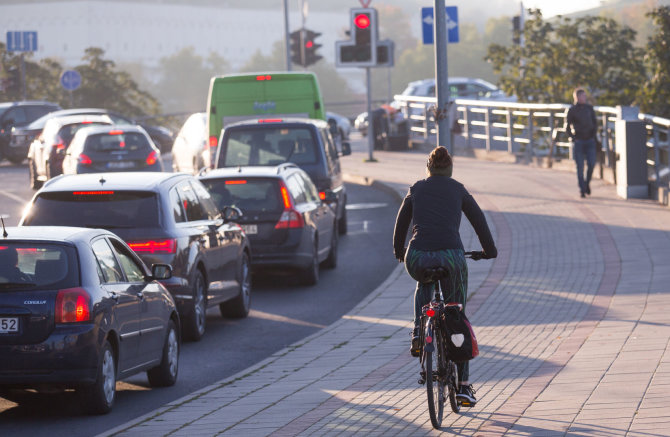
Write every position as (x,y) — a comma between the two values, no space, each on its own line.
(584,149)
(454,287)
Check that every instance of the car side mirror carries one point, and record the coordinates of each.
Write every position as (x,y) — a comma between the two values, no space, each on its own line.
(331,197)
(161,271)
(346,148)
(231,213)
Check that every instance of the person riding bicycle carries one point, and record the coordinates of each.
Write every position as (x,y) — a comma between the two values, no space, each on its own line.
(434,205)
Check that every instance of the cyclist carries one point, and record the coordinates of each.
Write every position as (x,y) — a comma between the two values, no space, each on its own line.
(434,205)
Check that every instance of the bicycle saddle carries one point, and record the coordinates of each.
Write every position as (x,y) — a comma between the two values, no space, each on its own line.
(434,274)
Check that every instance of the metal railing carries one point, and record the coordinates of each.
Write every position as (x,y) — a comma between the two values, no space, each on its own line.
(531,130)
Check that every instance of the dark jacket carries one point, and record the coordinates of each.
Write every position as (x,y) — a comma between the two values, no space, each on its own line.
(580,122)
(435,205)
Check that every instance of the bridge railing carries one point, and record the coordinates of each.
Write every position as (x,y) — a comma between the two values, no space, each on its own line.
(535,130)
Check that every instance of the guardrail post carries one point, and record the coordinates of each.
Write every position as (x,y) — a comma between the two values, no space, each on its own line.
(426,126)
(552,131)
(487,120)
(466,126)
(529,148)
(657,155)
(510,132)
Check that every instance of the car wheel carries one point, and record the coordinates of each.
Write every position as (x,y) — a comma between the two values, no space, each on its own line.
(310,275)
(195,324)
(342,222)
(165,374)
(239,306)
(98,398)
(16,160)
(331,261)
(35,184)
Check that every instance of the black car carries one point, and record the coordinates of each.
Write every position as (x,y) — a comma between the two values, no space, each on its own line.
(111,148)
(165,218)
(304,142)
(79,310)
(15,115)
(287,223)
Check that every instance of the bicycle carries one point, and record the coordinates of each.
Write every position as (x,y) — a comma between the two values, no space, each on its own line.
(438,372)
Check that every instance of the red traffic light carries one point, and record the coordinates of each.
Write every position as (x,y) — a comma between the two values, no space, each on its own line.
(309,44)
(362,21)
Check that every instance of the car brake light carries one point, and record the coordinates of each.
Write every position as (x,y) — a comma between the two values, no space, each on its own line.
(263,77)
(86,122)
(290,218)
(115,132)
(152,158)
(236,182)
(60,145)
(322,195)
(270,120)
(285,197)
(213,141)
(84,160)
(73,305)
(154,246)
(92,193)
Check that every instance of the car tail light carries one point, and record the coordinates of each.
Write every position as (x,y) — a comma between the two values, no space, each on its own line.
(92,193)
(168,245)
(115,132)
(236,182)
(84,160)
(270,120)
(213,141)
(60,144)
(73,305)
(152,158)
(290,218)
(322,195)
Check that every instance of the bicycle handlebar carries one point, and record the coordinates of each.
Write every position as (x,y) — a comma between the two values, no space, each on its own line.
(475,255)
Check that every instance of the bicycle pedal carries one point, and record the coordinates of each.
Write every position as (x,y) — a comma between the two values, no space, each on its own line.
(467,404)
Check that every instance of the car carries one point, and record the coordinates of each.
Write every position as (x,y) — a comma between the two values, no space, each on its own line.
(302,141)
(459,88)
(79,310)
(111,148)
(191,150)
(47,151)
(361,123)
(288,225)
(15,115)
(342,122)
(167,218)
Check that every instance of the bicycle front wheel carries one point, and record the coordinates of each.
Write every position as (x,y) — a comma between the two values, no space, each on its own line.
(435,377)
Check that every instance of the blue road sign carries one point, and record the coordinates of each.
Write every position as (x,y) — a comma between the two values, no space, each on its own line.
(21,41)
(70,79)
(427,20)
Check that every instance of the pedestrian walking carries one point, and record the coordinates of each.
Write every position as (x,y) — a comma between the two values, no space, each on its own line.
(580,124)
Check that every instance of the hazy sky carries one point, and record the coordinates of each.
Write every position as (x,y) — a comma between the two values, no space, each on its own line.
(553,7)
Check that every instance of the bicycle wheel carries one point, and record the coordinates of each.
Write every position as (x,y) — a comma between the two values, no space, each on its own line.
(435,378)
(452,378)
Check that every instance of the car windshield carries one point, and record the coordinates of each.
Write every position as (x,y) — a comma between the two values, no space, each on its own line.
(259,145)
(105,209)
(29,266)
(116,140)
(249,195)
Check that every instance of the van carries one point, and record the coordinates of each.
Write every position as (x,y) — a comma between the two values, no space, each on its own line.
(238,97)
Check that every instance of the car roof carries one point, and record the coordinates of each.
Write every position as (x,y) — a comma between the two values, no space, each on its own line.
(71,119)
(52,233)
(280,121)
(27,103)
(250,171)
(102,129)
(147,181)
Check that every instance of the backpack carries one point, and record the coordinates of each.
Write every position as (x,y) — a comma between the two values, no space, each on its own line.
(461,342)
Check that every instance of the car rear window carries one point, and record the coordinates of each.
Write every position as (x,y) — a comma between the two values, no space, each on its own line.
(31,266)
(107,209)
(67,132)
(260,145)
(116,140)
(249,195)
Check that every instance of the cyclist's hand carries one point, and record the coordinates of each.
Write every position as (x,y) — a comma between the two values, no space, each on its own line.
(486,255)
(400,254)
(477,255)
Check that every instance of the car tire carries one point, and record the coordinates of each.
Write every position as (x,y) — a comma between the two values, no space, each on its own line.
(342,222)
(16,160)
(238,307)
(35,184)
(310,275)
(194,324)
(165,374)
(331,261)
(98,398)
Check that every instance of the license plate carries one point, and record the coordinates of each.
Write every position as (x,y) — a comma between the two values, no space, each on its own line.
(9,324)
(120,164)
(250,229)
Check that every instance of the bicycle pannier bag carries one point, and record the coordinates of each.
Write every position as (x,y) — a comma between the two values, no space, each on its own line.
(461,341)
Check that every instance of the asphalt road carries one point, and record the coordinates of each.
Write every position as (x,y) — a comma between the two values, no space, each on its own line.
(282,313)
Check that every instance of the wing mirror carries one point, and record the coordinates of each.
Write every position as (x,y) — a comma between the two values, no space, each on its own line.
(346,148)
(231,213)
(161,271)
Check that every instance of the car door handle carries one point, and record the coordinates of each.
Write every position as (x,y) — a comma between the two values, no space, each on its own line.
(115,296)
(140,295)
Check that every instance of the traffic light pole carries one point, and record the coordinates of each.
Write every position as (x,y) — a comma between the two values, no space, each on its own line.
(287,40)
(442,77)
(371,140)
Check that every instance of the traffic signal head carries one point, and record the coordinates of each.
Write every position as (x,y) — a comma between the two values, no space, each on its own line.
(296,46)
(304,47)
(362,49)
(516,29)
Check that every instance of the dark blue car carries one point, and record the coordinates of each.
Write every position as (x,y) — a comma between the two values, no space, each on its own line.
(79,310)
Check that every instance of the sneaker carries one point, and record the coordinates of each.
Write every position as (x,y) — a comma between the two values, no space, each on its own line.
(582,195)
(415,349)
(588,189)
(466,394)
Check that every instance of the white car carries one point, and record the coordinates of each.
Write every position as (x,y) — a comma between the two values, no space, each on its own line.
(459,88)
(343,124)
(191,151)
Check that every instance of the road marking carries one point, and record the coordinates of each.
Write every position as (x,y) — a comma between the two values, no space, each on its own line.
(377,320)
(366,205)
(278,318)
(13,196)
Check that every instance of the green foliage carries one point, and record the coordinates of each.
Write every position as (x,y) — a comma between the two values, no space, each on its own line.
(42,78)
(595,53)
(655,94)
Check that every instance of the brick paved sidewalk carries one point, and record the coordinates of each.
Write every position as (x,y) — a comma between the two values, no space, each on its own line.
(573,320)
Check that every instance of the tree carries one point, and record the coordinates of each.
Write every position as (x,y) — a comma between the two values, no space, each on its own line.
(654,97)
(596,53)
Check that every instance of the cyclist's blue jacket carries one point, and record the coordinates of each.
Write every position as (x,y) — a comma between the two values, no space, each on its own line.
(434,205)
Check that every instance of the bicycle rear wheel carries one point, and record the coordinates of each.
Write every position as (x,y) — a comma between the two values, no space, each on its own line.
(452,384)
(435,377)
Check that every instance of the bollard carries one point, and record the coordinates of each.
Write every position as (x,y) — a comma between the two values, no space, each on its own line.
(631,154)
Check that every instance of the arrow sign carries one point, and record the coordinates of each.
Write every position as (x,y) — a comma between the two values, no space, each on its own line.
(20,41)
(428,20)
(70,80)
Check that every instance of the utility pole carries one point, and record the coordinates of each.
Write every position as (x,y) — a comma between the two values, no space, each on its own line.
(441,77)
(287,42)
(371,139)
